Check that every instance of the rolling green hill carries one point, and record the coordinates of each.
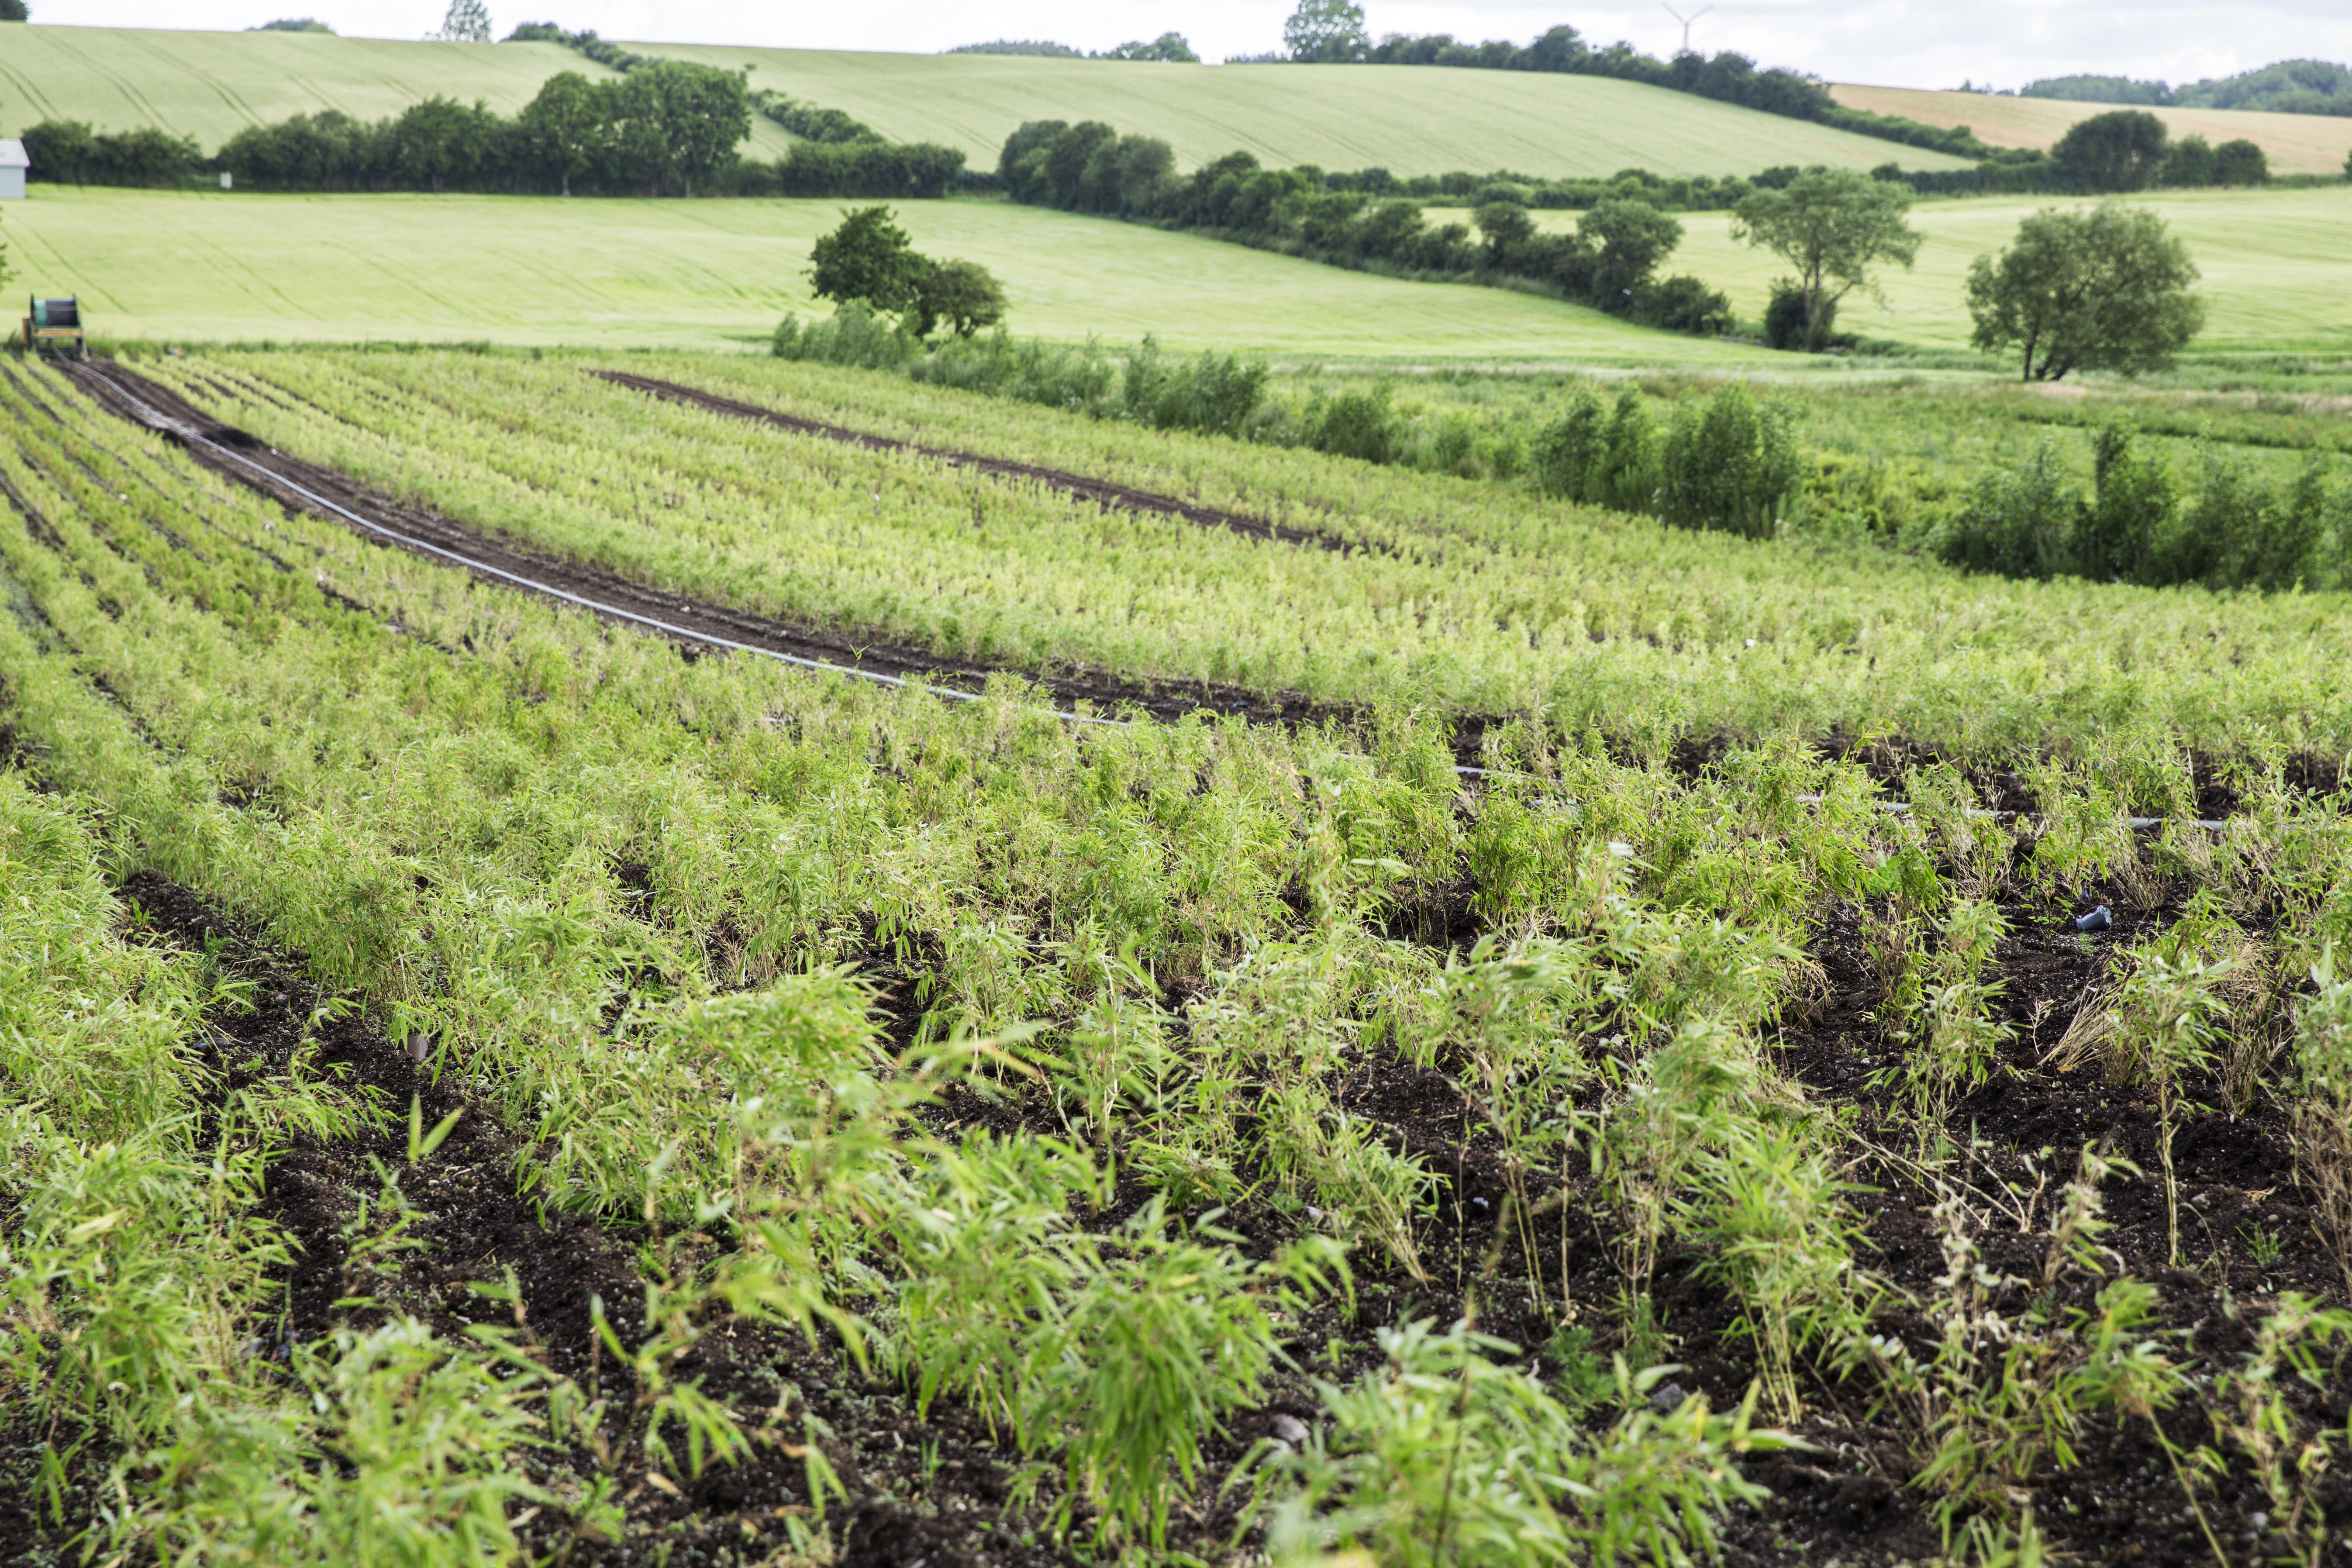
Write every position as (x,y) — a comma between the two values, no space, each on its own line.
(213,267)
(1410,120)
(212,85)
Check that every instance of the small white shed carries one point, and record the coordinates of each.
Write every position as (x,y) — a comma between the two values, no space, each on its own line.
(13,165)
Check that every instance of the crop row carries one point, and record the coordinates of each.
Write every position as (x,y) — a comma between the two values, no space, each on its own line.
(617,896)
(1475,600)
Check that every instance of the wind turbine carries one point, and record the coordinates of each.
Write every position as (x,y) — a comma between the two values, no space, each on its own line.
(1687,22)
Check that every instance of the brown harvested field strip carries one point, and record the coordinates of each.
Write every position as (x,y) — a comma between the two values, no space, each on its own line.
(284,479)
(1102,492)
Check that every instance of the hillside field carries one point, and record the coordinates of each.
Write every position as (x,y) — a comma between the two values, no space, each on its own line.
(2297,144)
(212,85)
(1410,121)
(207,266)
(2277,268)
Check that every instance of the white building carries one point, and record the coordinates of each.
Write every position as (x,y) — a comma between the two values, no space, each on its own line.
(13,165)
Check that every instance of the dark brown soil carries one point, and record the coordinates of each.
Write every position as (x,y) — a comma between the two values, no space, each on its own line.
(1102,492)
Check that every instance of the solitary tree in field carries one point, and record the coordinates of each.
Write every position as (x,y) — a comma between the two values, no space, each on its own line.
(870,258)
(15,11)
(1327,32)
(1834,226)
(468,22)
(2104,289)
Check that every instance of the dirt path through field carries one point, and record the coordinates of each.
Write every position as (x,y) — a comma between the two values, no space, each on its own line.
(1103,492)
(303,486)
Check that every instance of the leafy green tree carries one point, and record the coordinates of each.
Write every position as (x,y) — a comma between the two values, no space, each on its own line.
(468,22)
(1326,32)
(961,296)
(2104,289)
(439,143)
(1834,226)
(694,117)
(2188,162)
(2122,149)
(2240,163)
(565,126)
(283,24)
(15,11)
(870,260)
(1629,238)
(1169,48)
(1504,227)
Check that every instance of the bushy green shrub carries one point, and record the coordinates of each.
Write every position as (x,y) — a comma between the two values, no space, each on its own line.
(1731,464)
(1601,459)
(1359,423)
(2017,522)
(2125,533)
(854,335)
(1079,377)
(1216,393)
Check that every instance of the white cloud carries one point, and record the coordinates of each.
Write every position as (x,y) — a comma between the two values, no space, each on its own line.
(1909,43)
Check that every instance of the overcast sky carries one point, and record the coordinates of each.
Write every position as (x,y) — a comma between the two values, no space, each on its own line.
(1905,42)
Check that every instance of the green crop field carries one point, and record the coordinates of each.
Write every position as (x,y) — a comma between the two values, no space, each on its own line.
(2277,266)
(207,266)
(1688,1025)
(1407,120)
(212,85)
(2296,144)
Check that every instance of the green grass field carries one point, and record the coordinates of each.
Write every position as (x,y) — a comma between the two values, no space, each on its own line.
(2296,144)
(211,85)
(1408,120)
(2277,266)
(206,266)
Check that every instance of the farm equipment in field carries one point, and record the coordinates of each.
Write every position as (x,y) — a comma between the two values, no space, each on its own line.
(54,327)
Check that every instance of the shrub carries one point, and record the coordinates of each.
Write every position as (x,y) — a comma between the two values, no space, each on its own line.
(1216,393)
(2128,527)
(2018,522)
(1683,304)
(1730,466)
(1057,375)
(854,335)
(1355,424)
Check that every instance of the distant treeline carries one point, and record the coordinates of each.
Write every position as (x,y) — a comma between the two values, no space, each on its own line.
(1726,78)
(1610,262)
(1168,49)
(2123,149)
(2289,87)
(665,128)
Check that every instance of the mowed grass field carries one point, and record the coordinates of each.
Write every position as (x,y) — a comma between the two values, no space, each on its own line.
(208,266)
(2277,265)
(2297,144)
(212,85)
(1408,120)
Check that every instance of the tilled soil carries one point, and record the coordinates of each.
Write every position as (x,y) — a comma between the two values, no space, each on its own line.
(1102,492)
(301,486)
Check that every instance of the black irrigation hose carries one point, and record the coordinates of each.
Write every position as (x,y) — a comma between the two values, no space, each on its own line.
(161,421)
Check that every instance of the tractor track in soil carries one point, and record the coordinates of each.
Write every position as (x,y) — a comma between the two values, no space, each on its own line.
(694,623)
(1102,492)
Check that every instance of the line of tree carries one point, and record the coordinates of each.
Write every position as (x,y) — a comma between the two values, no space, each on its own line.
(1610,262)
(2140,523)
(2287,87)
(666,129)
(1168,49)
(1331,32)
